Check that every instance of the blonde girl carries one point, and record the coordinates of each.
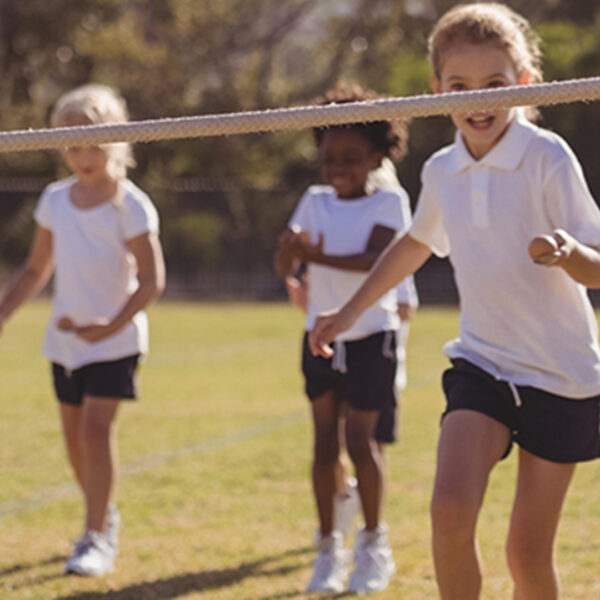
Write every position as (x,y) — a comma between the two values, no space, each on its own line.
(98,233)
(526,365)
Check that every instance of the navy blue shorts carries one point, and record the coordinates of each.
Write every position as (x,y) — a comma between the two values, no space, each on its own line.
(552,427)
(110,379)
(363,378)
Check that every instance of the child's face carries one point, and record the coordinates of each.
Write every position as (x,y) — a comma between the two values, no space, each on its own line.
(466,67)
(87,163)
(347,158)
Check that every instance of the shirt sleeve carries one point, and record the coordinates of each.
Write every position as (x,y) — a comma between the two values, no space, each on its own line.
(43,211)
(428,226)
(138,216)
(394,212)
(569,202)
(301,216)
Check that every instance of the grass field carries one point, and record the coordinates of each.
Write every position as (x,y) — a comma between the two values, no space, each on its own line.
(214,490)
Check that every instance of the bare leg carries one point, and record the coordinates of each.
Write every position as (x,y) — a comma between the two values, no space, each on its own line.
(325,457)
(470,445)
(99,452)
(384,471)
(70,416)
(541,489)
(364,453)
(341,468)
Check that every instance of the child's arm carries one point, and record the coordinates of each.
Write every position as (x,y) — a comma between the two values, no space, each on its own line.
(297,290)
(33,276)
(403,258)
(151,277)
(581,262)
(379,239)
(286,260)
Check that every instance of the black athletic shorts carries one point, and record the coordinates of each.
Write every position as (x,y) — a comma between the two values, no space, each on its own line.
(363,376)
(111,379)
(552,427)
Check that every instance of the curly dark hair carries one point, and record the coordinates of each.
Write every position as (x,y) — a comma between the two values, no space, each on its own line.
(389,137)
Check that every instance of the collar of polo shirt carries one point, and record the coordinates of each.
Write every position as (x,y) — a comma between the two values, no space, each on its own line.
(505,155)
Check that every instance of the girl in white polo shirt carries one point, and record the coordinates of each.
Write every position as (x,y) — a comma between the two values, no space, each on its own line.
(98,233)
(526,364)
(338,230)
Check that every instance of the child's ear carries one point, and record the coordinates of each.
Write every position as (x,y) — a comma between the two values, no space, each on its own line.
(525,77)
(435,84)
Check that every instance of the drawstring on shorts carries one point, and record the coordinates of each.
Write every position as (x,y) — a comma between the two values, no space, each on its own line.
(338,362)
(515,393)
(386,350)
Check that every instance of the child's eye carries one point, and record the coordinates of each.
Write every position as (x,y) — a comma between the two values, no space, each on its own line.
(496,83)
(457,87)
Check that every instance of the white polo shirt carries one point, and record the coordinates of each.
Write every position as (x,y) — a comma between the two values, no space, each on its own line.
(521,322)
(346,226)
(94,273)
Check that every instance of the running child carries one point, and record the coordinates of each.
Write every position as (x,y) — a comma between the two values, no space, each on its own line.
(339,230)
(98,233)
(526,365)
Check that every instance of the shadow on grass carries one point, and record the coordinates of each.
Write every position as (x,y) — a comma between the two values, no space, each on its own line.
(24,567)
(20,567)
(181,585)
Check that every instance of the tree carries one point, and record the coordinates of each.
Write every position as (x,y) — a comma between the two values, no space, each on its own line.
(182,57)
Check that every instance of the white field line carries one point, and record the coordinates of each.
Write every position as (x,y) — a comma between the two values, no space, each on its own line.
(60,492)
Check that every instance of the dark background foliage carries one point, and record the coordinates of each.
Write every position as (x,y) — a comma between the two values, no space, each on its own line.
(223,200)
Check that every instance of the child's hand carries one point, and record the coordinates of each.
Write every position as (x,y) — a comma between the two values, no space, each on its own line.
(291,241)
(326,328)
(65,324)
(289,251)
(297,290)
(95,331)
(311,252)
(552,250)
(405,311)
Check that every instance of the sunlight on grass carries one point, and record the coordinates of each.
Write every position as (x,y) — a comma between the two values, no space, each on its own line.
(214,492)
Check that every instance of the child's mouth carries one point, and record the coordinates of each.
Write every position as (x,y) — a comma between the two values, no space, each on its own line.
(482,120)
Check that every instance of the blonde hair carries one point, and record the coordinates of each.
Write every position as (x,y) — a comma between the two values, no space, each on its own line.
(95,104)
(488,22)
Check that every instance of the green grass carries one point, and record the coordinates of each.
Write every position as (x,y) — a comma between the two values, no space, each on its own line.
(214,491)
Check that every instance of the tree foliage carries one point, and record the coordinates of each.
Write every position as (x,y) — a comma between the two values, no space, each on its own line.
(223,200)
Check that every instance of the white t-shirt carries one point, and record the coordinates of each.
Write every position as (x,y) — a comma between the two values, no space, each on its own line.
(386,178)
(346,226)
(521,322)
(94,272)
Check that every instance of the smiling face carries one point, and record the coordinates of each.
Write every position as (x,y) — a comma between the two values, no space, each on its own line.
(466,66)
(346,159)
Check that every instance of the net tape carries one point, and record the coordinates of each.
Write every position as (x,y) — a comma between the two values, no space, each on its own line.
(557,92)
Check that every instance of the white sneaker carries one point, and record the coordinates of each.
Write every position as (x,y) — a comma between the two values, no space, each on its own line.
(374,562)
(93,555)
(111,530)
(331,565)
(347,506)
